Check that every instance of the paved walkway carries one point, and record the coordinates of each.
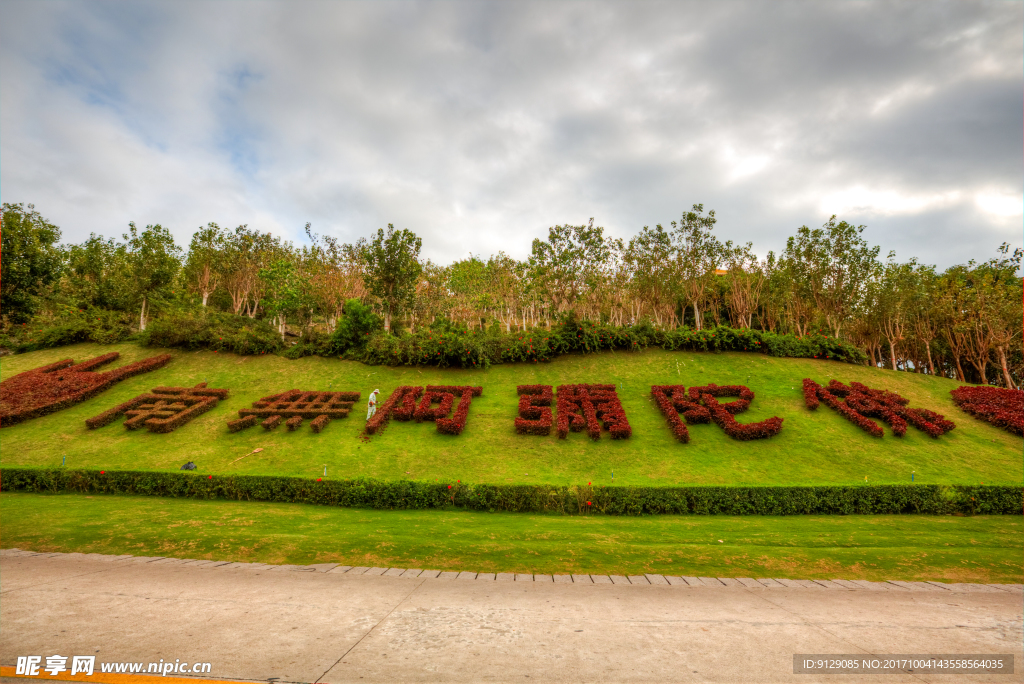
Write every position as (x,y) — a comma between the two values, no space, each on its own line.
(331,623)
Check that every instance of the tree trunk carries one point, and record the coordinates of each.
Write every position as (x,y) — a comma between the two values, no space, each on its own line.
(206,296)
(892,354)
(387,321)
(142,316)
(931,366)
(1006,371)
(959,369)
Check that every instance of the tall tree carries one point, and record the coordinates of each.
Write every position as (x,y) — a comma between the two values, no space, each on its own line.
(569,264)
(153,262)
(699,254)
(31,259)
(205,262)
(393,269)
(831,265)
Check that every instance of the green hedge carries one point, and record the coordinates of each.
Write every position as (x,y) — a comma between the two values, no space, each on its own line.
(572,500)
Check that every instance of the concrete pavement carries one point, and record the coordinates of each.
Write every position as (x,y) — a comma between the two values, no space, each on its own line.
(336,624)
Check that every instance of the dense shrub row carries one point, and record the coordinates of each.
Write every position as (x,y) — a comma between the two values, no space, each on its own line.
(862,402)
(378,494)
(998,406)
(591,407)
(457,347)
(359,336)
(701,406)
(71,326)
(534,410)
(51,388)
(165,410)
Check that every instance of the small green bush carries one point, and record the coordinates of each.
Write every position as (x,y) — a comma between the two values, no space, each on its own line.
(525,498)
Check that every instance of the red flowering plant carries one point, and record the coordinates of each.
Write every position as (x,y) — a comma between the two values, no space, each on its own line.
(862,403)
(534,410)
(997,406)
(51,388)
(700,405)
(591,407)
(293,406)
(166,409)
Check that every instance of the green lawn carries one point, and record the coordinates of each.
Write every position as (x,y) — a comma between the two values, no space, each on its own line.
(813,448)
(951,549)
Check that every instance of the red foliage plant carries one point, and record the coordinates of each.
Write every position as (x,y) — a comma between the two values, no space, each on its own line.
(166,409)
(588,407)
(998,406)
(402,405)
(863,403)
(700,405)
(293,406)
(534,410)
(51,388)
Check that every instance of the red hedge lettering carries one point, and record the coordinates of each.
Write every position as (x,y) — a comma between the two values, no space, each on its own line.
(51,388)
(534,410)
(401,405)
(997,406)
(589,407)
(166,409)
(296,404)
(673,400)
(862,402)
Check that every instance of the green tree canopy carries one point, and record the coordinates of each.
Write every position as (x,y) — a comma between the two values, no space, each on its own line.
(31,259)
(392,269)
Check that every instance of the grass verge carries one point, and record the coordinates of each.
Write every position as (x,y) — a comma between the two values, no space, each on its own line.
(949,549)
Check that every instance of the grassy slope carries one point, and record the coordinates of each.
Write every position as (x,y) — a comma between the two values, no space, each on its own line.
(981,549)
(813,448)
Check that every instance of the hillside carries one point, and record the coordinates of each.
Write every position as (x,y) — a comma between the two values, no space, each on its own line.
(813,448)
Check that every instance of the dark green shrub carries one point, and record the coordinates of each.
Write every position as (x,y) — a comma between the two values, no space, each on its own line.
(405,494)
(69,327)
(357,325)
(212,330)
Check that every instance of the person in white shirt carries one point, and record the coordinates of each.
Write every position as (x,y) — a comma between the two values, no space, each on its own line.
(371,406)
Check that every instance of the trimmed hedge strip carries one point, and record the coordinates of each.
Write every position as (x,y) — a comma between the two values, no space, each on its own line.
(572,500)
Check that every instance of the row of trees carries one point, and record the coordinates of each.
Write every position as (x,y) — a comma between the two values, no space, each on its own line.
(964,322)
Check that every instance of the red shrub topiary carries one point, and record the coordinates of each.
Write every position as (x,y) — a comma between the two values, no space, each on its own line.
(59,385)
(998,406)
(700,405)
(589,407)
(297,404)
(534,410)
(166,409)
(242,423)
(863,402)
(384,411)
(401,405)
(457,423)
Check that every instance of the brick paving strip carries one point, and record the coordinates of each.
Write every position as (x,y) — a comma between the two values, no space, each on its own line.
(641,580)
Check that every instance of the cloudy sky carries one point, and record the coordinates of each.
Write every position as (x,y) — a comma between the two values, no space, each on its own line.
(478,125)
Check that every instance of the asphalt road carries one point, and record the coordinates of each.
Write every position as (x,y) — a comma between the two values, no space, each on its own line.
(331,624)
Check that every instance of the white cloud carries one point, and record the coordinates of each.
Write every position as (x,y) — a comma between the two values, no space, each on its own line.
(1000,204)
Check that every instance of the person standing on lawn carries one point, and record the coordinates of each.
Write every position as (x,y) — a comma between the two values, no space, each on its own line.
(371,405)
